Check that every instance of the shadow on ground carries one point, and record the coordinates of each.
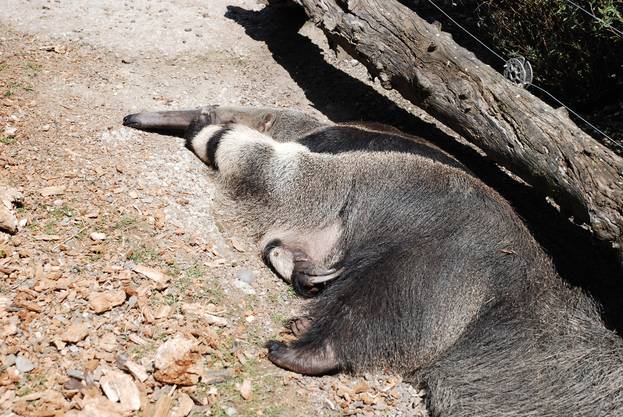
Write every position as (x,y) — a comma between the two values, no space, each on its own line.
(580,259)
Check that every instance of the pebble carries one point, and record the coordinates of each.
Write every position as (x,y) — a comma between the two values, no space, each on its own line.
(134,368)
(246,276)
(10,130)
(231,411)
(120,387)
(75,332)
(172,350)
(76,373)
(96,236)
(246,389)
(244,287)
(108,342)
(24,365)
(184,406)
(105,301)
(153,274)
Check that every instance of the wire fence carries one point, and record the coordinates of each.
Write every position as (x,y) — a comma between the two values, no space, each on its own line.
(600,20)
(529,83)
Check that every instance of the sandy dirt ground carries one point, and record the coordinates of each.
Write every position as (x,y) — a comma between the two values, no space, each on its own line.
(122,293)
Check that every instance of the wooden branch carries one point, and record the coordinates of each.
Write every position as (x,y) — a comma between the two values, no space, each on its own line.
(516,129)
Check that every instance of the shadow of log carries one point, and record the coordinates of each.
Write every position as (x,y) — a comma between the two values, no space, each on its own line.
(580,259)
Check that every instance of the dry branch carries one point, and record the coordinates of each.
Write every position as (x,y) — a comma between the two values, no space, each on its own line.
(516,129)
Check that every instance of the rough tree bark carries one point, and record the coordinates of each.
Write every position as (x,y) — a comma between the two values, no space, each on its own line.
(517,130)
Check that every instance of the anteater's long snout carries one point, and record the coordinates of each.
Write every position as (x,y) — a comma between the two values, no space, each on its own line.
(173,123)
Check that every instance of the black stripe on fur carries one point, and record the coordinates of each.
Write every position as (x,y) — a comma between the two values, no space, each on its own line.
(212,146)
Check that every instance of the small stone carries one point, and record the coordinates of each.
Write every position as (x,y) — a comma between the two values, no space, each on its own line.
(45,127)
(246,276)
(108,342)
(10,130)
(5,302)
(217,376)
(153,274)
(246,389)
(75,332)
(52,190)
(119,387)
(172,350)
(10,195)
(134,338)
(105,301)
(8,221)
(98,406)
(185,371)
(184,406)
(244,287)
(361,387)
(24,365)
(200,310)
(381,406)
(164,311)
(237,245)
(230,411)
(76,373)
(134,368)
(97,236)
(367,399)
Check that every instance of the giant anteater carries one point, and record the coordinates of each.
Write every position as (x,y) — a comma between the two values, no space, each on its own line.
(416,266)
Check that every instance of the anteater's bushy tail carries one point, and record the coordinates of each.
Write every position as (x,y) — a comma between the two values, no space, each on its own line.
(560,362)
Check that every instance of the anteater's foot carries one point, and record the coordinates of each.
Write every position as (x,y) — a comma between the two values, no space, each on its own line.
(307,359)
(294,266)
(299,325)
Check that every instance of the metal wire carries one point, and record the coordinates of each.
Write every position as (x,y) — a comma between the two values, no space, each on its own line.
(466,31)
(620,147)
(606,24)
(616,144)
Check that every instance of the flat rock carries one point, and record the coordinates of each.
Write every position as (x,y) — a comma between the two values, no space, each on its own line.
(119,387)
(246,389)
(10,130)
(172,350)
(201,311)
(246,276)
(9,195)
(75,332)
(108,342)
(134,368)
(184,406)
(98,407)
(24,365)
(97,236)
(8,221)
(105,301)
(184,371)
(160,278)
(244,287)
(52,190)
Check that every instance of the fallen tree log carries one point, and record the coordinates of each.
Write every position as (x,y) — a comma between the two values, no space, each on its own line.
(538,143)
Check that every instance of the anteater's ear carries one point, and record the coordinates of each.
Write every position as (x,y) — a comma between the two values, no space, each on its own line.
(174,123)
(266,122)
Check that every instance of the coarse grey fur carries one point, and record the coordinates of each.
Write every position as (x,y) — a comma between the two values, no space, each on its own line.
(436,277)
